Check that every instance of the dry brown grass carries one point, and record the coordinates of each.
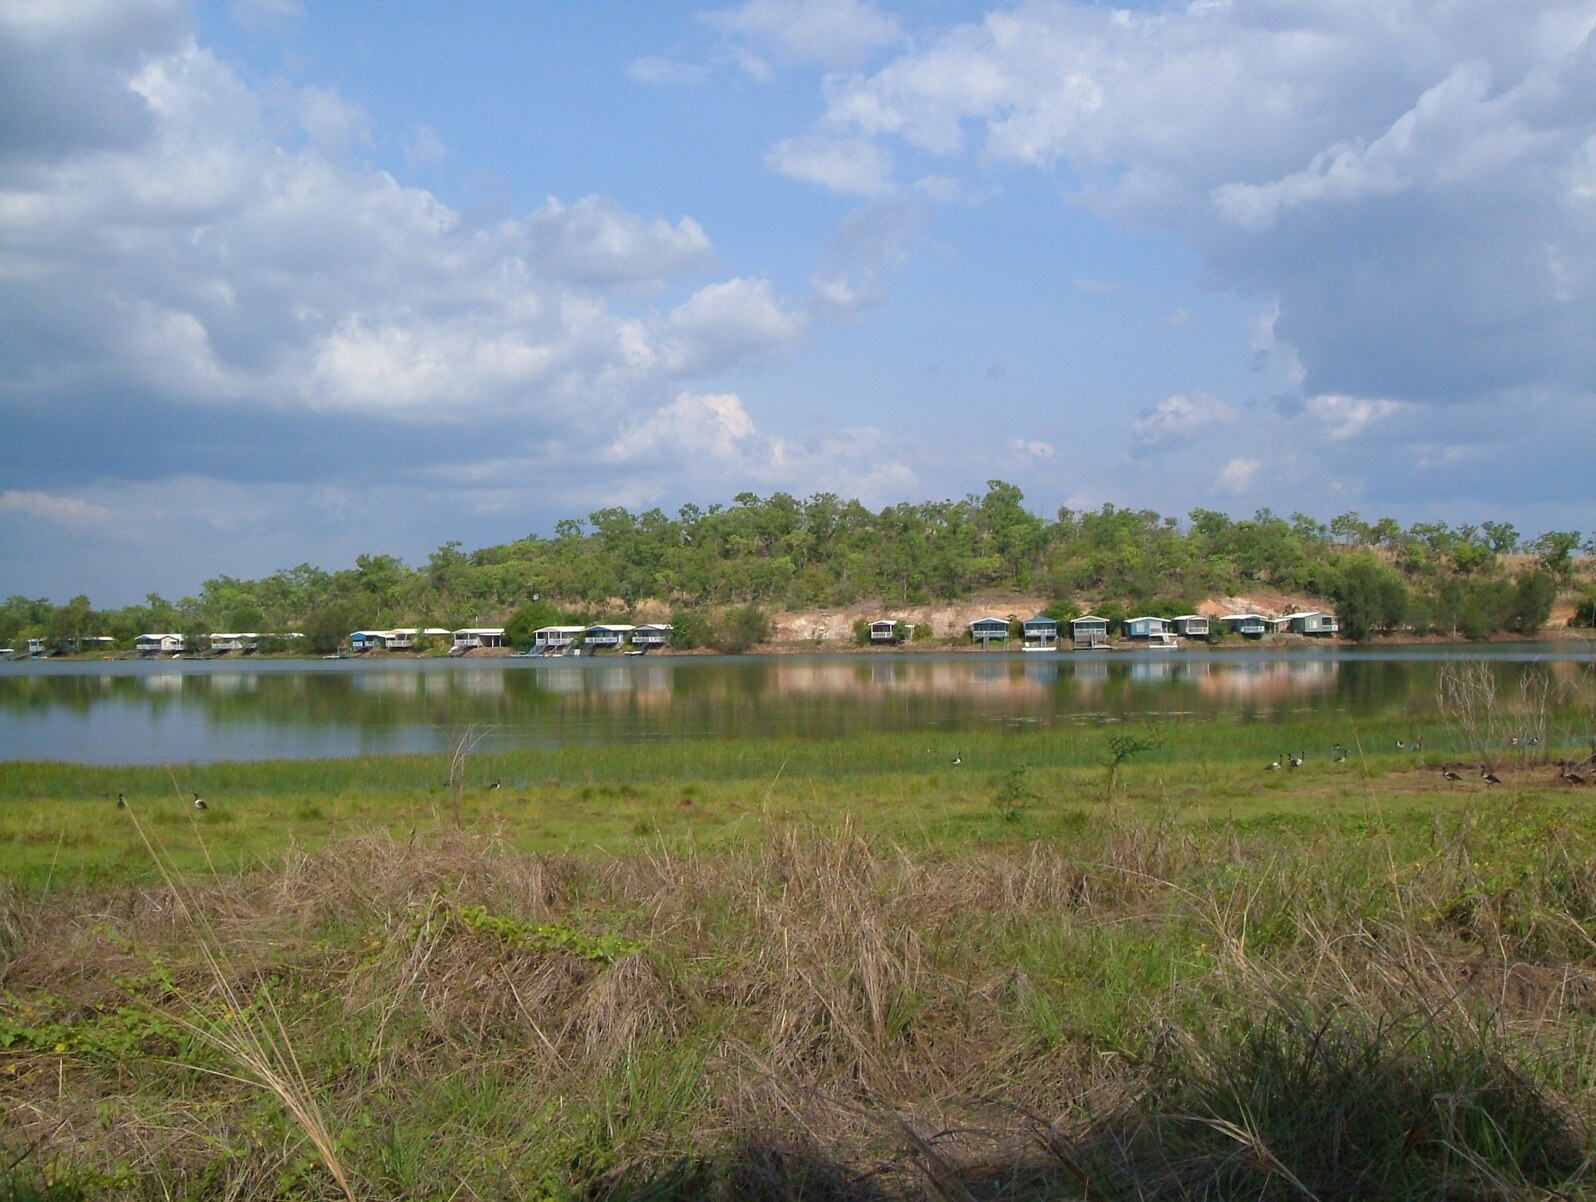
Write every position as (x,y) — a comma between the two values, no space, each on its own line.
(824,1016)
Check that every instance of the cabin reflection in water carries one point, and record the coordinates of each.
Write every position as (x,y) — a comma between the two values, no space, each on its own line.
(153,712)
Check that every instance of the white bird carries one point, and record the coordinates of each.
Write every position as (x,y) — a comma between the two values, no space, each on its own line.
(1295,761)
(1273,765)
(199,803)
(957,760)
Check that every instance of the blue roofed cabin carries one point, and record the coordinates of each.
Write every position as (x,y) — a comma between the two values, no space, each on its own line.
(1088,630)
(1040,633)
(1252,626)
(884,630)
(1190,626)
(368,640)
(652,635)
(1315,623)
(987,631)
(606,636)
(1147,629)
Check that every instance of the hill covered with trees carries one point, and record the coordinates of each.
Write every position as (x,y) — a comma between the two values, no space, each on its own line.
(779,552)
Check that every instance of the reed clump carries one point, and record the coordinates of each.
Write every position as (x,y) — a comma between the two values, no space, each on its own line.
(1144,1008)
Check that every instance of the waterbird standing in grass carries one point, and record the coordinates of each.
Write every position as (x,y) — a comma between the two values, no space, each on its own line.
(957,759)
(1489,777)
(199,803)
(121,801)
(1339,754)
(494,784)
(1273,765)
(1295,761)
(1449,775)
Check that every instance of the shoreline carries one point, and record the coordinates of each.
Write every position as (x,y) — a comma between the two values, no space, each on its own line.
(1277,642)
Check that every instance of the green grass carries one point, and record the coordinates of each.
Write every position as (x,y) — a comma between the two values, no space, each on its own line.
(59,823)
(842,970)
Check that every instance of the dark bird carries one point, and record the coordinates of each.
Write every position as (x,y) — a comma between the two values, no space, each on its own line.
(199,803)
(1489,777)
(494,784)
(1273,765)
(956,760)
(1295,761)
(1418,744)
(121,801)
(1339,754)
(1448,774)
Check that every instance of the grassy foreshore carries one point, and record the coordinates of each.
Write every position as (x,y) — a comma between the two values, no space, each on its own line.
(850,970)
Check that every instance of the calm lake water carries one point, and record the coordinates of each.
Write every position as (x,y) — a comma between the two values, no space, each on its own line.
(125,712)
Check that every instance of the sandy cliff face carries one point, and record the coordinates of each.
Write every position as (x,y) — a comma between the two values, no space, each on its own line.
(834,625)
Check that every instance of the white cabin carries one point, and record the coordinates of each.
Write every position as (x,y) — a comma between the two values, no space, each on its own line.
(158,644)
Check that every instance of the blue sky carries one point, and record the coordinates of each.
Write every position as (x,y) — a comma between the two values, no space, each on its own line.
(285,281)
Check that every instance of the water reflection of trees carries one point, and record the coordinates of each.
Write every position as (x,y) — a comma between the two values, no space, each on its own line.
(593,701)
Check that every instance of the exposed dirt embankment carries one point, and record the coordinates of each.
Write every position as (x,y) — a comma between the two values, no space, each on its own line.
(835,624)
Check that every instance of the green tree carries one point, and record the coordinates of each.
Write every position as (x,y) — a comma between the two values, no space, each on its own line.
(327,626)
(1555,550)
(524,623)
(740,628)
(1370,597)
(1502,536)
(1533,596)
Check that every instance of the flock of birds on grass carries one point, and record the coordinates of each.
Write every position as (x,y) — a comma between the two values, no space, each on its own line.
(199,802)
(1572,772)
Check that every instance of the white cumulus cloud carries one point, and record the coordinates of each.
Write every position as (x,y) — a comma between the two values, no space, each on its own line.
(838,33)
(852,166)
(1238,477)
(1178,421)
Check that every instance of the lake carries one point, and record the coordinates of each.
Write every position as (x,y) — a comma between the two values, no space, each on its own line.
(128,712)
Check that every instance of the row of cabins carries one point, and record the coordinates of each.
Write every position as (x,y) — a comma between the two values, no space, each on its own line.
(221,643)
(547,640)
(1041,633)
(606,636)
